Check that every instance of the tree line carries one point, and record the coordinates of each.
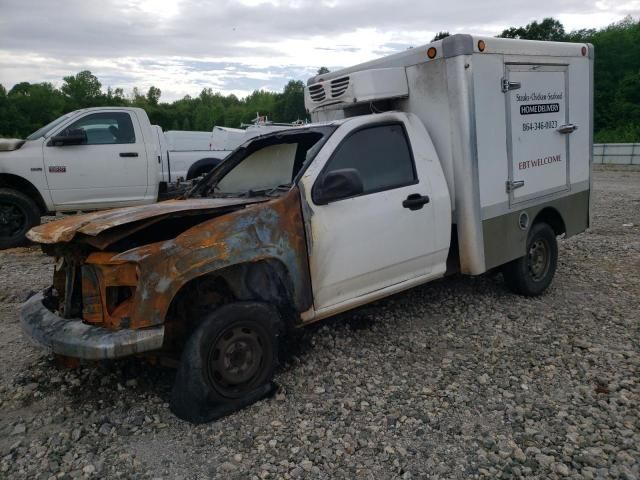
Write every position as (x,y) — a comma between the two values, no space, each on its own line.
(28,106)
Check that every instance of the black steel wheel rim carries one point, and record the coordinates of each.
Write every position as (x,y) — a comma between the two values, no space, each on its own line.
(13,219)
(236,359)
(539,259)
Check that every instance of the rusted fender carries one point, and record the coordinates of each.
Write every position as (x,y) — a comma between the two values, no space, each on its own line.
(93,224)
(270,230)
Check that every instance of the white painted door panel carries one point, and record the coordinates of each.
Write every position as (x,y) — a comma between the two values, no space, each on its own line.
(538,150)
(97,175)
(370,242)
(367,243)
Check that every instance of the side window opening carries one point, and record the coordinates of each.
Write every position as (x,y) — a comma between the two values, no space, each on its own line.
(106,128)
(381,155)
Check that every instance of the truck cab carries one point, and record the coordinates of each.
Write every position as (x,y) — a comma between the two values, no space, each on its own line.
(409,171)
(89,159)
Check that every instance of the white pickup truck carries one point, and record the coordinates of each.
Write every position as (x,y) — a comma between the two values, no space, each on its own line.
(465,155)
(104,157)
(90,159)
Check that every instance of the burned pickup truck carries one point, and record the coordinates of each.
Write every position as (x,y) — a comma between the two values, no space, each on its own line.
(302,224)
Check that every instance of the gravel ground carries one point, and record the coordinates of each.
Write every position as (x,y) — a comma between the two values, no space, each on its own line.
(455,379)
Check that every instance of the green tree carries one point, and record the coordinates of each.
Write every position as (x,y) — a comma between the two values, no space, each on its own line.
(290,104)
(82,89)
(323,70)
(32,105)
(548,29)
(440,36)
(153,95)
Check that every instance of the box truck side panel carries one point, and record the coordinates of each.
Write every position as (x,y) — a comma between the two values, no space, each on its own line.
(429,101)
(491,131)
(580,108)
(546,101)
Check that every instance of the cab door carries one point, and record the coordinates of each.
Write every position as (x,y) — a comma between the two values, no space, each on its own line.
(538,124)
(108,169)
(383,236)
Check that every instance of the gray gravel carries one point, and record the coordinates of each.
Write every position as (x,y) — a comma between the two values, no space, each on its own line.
(456,379)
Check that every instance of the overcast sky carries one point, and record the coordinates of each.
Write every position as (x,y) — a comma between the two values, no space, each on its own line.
(182,46)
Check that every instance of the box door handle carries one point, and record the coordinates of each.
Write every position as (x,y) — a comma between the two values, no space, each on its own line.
(568,128)
(514,185)
(507,85)
(129,154)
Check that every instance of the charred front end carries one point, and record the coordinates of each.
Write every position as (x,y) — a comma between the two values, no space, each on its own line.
(128,281)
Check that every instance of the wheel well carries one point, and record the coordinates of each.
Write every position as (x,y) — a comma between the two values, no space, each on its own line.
(8,180)
(266,281)
(551,217)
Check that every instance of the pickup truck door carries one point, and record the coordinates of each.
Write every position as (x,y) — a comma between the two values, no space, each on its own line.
(365,245)
(109,170)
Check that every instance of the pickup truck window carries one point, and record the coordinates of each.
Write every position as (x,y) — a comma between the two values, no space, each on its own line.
(381,155)
(42,131)
(106,128)
(267,165)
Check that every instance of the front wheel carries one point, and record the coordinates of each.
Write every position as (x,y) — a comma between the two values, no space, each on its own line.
(531,274)
(228,362)
(18,213)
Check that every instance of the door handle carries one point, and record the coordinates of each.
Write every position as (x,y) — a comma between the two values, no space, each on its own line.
(129,154)
(514,184)
(415,201)
(506,85)
(568,128)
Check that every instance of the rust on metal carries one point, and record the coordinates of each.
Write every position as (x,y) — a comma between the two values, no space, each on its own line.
(92,224)
(258,245)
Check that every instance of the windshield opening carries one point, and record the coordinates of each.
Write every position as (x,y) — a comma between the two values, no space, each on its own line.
(41,132)
(266,166)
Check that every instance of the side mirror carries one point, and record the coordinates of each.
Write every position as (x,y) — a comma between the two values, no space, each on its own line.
(72,137)
(336,185)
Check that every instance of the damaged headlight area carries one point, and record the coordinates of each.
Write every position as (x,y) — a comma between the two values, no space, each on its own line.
(97,289)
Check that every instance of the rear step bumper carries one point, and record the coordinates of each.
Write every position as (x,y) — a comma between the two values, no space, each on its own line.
(73,338)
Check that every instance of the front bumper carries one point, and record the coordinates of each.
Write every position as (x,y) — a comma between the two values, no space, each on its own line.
(73,338)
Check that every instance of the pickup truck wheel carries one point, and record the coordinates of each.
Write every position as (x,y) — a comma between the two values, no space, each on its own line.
(18,213)
(228,362)
(532,274)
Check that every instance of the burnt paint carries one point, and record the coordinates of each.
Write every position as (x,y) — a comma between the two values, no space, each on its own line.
(270,230)
(93,224)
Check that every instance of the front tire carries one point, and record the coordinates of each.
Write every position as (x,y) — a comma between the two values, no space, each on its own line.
(532,274)
(228,362)
(18,213)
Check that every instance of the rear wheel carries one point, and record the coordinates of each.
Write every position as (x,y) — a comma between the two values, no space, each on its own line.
(228,362)
(18,213)
(531,274)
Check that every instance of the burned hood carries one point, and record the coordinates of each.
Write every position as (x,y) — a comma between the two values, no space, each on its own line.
(103,227)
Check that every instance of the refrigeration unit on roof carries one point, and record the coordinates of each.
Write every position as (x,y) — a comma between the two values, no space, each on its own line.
(357,87)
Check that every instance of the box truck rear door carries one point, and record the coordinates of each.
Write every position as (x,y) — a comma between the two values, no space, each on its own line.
(538,127)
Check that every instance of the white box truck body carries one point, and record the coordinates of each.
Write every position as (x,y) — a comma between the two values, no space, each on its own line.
(511,124)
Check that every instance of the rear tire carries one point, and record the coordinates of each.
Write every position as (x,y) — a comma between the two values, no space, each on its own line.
(18,213)
(532,274)
(228,362)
